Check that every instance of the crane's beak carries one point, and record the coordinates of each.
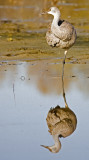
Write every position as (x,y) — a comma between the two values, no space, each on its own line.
(43,13)
(46,12)
(49,12)
(46,147)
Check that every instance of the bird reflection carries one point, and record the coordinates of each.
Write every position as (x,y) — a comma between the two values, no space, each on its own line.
(61,122)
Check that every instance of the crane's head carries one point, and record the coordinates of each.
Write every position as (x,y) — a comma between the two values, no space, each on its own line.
(54,11)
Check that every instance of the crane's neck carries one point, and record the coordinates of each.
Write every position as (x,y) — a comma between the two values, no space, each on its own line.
(57,141)
(56,20)
(57,146)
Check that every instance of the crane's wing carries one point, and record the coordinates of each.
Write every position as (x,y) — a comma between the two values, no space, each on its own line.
(63,128)
(64,31)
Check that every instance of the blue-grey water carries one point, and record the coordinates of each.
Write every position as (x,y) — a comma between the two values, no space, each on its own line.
(27,91)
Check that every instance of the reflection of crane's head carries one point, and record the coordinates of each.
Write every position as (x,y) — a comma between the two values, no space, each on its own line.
(55,148)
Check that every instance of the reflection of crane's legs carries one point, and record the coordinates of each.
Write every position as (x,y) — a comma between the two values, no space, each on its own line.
(66,105)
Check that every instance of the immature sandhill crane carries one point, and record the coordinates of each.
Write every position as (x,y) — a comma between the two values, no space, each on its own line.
(61,33)
(61,122)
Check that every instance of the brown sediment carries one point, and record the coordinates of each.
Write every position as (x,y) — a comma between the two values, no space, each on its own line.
(32,45)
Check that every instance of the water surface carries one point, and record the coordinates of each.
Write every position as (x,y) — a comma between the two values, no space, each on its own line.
(27,92)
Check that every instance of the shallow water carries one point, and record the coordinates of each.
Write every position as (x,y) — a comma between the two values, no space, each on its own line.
(27,92)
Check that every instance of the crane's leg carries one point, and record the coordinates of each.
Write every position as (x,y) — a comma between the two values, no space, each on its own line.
(64,56)
(66,105)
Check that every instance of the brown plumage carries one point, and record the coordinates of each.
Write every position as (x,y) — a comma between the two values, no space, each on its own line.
(60,33)
(61,121)
(63,36)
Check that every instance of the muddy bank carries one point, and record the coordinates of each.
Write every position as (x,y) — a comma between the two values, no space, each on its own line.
(18,43)
(23,28)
